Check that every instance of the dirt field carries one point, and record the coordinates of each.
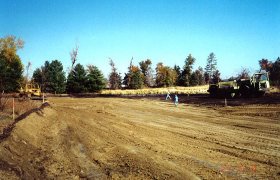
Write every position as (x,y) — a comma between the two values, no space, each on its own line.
(128,138)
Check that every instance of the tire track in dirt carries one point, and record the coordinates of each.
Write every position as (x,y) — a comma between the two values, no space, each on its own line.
(118,138)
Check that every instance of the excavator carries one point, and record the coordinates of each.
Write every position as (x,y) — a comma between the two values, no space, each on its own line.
(31,91)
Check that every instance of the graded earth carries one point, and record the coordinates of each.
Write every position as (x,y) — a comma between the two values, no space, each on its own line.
(143,138)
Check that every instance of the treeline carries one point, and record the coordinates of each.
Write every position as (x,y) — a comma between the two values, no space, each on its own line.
(80,80)
(142,75)
(53,79)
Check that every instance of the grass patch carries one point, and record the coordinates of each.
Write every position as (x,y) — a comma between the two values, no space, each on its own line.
(159,91)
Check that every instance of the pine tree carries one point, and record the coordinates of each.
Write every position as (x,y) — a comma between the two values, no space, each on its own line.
(77,79)
(37,76)
(211,66)
(197,77)
(179,79)
(57,77)
(51,77)
(187,70)
(95,79)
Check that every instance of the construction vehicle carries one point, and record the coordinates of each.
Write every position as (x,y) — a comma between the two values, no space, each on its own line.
(31,91)
(256,85)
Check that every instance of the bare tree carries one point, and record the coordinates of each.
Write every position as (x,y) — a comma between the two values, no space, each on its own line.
(28,67)
(114,77)
(73,55)
(244,73)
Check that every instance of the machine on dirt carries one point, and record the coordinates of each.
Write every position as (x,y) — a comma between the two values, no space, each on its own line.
(31,91)
(256,85)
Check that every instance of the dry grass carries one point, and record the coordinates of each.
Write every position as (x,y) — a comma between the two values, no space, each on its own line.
(20,106)
(159,91)
(275,89)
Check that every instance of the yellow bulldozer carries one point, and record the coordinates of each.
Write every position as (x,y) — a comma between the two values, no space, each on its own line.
(31,91)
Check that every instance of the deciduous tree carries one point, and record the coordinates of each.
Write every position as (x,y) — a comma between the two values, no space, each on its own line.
(114,77)
(146,69)
(244,73)
(275,72)
(11,68)
(165,76)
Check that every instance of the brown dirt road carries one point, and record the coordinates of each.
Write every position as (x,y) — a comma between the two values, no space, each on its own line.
(117,138)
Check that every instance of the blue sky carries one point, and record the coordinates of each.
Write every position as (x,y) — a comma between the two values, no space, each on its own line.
(239,32)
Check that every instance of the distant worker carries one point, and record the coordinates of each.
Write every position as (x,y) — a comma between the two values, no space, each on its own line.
(168,95)
(176,102)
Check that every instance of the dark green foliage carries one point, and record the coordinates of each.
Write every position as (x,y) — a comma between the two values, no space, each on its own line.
(77,80)
(187,70)
(10,73)
(197,77)
(134,79)
(206,78)
(179,79)
(95,79)
(216,77)
(57,77)
(275,73)
(211,66)
(38,76)
(51,77)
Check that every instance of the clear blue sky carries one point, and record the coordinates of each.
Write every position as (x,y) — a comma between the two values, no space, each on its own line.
(239,32)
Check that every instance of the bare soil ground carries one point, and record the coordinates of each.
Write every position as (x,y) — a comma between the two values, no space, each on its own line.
(145,138)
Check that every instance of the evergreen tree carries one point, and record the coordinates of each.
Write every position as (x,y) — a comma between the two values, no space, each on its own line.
(194,79)
(187,71)
(37,76)
(51,77)
(77,79)
(57,80)
(216,77)
(197,77)
(96,81)
(179,80)
(211,66)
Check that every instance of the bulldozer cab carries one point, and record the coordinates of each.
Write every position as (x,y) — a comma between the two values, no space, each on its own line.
(31,90)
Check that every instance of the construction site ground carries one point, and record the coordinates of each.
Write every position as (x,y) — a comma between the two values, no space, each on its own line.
(144,138)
